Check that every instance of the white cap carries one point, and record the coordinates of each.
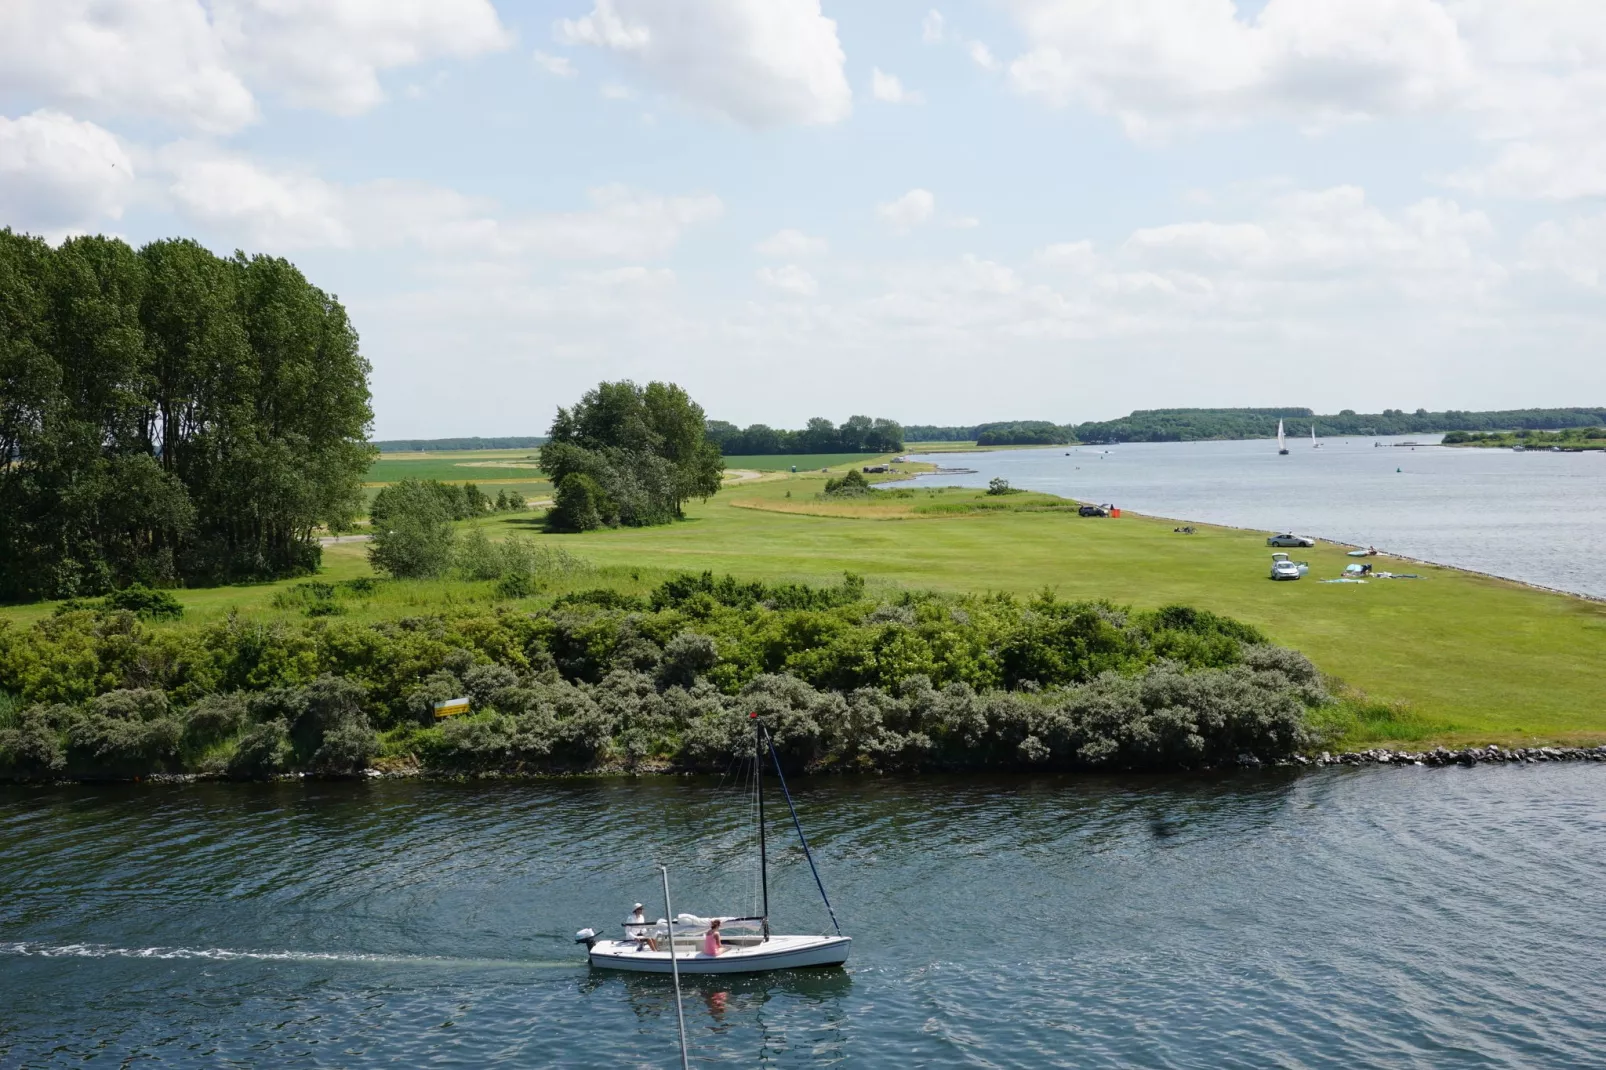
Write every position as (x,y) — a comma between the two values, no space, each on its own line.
(636,907)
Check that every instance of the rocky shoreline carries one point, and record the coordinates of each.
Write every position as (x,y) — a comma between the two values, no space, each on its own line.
(1464,756)
(1438,756)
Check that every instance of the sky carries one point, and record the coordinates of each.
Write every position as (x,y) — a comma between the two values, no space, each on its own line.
(984,210)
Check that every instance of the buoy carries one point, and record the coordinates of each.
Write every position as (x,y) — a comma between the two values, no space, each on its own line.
(1396,469)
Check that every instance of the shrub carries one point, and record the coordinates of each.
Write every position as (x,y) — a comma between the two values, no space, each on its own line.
(852,484)
(413,534)
(264,749)
(1000,485)
(144,602)
(580,504)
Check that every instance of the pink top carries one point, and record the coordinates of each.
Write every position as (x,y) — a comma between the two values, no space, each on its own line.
(710,943)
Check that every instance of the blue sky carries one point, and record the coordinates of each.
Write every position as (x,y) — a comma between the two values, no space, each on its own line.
(1059,209)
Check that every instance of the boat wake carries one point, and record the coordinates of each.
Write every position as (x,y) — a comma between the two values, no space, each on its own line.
(220,954)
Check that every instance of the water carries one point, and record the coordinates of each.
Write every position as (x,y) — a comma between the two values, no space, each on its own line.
(1344,917)
(1535,517)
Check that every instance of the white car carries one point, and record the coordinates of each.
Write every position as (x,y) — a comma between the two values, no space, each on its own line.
(1290,540)
(1284,569)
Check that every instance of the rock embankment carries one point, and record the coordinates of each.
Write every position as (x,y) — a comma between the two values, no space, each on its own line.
(1464,756)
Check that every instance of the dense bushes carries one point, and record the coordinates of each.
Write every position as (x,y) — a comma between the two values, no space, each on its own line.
(844,681)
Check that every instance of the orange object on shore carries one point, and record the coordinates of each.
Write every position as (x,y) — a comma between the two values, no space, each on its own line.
(1114,511)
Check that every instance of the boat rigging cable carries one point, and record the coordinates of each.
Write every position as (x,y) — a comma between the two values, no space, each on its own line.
(804,840)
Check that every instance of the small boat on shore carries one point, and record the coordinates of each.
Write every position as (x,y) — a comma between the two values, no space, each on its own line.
(749,946)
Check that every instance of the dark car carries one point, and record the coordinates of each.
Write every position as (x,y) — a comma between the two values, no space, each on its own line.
(1093,510)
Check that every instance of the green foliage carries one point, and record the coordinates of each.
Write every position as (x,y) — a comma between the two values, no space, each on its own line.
(580,504)
(167,415)
(851,484)
(146,603)
(413,534)
(641,451)
(998,485)
(1023,433)
(844,680)
(1571,439)
(860,434)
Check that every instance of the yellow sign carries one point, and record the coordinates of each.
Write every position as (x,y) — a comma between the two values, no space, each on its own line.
(451,707)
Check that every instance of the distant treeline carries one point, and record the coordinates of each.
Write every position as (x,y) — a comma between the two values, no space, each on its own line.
(859,434)
(169,416)
(426,445)
(1001,433)
(1187,425)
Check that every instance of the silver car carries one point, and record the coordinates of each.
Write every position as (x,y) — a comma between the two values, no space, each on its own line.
(1290,540)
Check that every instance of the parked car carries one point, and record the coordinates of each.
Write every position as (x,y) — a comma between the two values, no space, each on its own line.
(1286,539)
(1284,569)
(1093,510)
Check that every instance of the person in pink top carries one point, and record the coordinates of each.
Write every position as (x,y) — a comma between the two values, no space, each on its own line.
(711,942)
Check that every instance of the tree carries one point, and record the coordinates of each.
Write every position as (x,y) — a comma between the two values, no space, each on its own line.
(643,451)
(168,416)
(413,534)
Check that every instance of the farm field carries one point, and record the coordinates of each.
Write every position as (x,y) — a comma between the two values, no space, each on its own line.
(466,466)
(1452,657)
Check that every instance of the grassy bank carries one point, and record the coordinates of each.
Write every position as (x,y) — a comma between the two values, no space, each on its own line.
(1452,658)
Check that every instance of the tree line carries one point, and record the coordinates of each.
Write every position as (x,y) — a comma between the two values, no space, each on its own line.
(428,445)
(169,416)
(858,434)
(1186,425)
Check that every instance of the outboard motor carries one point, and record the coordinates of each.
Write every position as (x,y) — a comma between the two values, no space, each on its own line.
(588,937)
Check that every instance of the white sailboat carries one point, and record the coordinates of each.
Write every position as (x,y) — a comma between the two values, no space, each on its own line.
(748,944)
(1282,442)
(1313,443)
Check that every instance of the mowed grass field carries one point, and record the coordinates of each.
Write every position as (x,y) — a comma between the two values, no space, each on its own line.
(1452,657)
(458,466)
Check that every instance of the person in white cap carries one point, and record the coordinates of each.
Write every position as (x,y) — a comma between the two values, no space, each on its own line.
(636,929)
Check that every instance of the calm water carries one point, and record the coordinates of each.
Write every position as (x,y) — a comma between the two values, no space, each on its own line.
(1382,917)
(1535,517)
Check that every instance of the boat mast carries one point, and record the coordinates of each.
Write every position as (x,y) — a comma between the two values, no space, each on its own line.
(763,858)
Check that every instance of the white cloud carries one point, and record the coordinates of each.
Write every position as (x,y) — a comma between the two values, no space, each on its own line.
(276,210)
(557,66)
(932,27)
(286,210)
(1157,65)
(790,279)
(982,56)
(157,58)
(763,63)
(60,175)
(911,210)
(1575,250)
(1524,77)
(615,91)
(789,243)
(190,63)
(329,54)
(889,89)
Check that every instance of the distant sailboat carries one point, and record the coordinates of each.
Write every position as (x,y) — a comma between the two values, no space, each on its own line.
(1313,443)
(1282,442)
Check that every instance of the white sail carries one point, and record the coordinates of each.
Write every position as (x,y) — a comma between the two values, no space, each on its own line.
(1313,434)
(1281,444)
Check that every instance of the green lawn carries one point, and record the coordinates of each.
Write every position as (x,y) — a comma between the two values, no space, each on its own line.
(1459,658)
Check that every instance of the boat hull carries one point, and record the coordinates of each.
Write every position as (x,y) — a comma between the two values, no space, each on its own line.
(778,953)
